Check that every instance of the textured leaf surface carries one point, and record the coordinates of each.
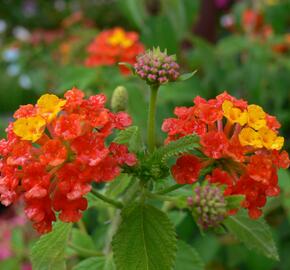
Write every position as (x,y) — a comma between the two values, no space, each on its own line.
(96,263)
(83,244)
(130,136)
(187,258)
(184,144)
(145,240)
(255,234)
(48,252)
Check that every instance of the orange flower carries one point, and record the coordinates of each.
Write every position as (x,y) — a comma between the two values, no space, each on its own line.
(113,46)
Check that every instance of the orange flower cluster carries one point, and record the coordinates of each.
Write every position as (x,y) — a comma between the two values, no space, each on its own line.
(241,141)
(53,152)
(113,46)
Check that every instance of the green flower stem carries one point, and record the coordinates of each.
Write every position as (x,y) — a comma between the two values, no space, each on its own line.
(152,117)
(82,226)
(169,189)
(117,204)
(84,251)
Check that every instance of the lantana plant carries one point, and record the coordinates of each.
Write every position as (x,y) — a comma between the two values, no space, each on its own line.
(218,163)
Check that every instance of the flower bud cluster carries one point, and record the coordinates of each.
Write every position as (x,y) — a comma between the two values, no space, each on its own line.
(208,205)
(157,67)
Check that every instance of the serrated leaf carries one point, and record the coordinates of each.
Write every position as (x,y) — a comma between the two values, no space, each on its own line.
(234,201)
(48,253)
(96,263)
(130,136)
(186,76)
(187,258)
(145,240)
(255,234)
(174,148)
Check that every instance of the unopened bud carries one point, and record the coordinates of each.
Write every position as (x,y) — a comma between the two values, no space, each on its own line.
(156,67)
(208,205)
(119,101)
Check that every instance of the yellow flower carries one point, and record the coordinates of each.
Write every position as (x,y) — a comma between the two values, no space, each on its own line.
(270,139)
(234,115)
(48,106)
(30,128)
(249,137)
(256,117)
(119,38)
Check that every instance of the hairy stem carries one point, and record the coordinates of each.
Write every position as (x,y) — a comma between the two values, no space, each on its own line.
(115,203)
(152,117)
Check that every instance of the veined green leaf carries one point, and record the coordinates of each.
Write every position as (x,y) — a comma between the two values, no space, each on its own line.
(48,253)
(145,240)
(130,136)
(187,258)
(96,263)
(255,234)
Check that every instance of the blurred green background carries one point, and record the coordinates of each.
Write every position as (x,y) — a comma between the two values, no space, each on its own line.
(239,46)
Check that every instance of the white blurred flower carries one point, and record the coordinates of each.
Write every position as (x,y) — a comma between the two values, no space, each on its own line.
(21,33)
(10,54)
(227,20)
(3,26)
(25,81)
(13,70)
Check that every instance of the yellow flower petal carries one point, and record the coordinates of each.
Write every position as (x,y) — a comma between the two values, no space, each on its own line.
(119,38)
(249,137)
(270,139)
(30,128)
(256,117)
(234,115)
(48,106)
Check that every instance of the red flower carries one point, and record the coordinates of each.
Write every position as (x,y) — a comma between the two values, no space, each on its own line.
(113,46)
(186,169)
(54,153)
(214,144)
(55,172)
(241,141)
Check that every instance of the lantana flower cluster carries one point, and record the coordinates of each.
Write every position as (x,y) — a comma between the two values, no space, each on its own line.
(113,46)
(53,152)
(239,140)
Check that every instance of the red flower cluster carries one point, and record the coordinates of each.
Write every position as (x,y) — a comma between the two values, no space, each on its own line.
(242,142)
(113,46)
(54,150)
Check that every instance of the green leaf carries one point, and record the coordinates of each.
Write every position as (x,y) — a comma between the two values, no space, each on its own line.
(187,258)
(145,240)
(127,65)
(82,243)
(48,253)
(284,181)
(186,76)
(118,186)
(130,136)
(255,234)
(174,148)
(96,263)
(10,264)
(234,202)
